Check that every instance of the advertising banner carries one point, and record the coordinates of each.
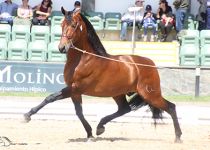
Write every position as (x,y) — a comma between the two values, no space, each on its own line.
(31,77)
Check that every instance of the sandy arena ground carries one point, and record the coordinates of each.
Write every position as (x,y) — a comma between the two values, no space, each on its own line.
(48,134)
(70,135)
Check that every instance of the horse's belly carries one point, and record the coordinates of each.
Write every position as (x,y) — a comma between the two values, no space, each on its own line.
(107,91)
(102,94)
(108,84)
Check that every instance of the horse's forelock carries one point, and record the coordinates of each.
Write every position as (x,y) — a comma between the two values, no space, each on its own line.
(68,16)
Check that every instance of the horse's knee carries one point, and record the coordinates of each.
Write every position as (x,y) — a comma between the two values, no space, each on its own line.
(53,97)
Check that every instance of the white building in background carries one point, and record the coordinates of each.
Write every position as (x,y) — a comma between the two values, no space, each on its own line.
(110,5)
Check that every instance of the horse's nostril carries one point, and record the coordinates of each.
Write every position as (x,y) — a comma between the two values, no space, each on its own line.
(62,49)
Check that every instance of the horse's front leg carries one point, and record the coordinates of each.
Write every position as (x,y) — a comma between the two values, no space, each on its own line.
(64,93)
(77,100)
(123,108)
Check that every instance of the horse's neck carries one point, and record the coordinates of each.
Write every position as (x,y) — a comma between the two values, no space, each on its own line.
(76,56)
(84,46)
(81,47)
(73,56)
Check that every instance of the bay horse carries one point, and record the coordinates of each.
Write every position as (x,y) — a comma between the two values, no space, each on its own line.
(90,70)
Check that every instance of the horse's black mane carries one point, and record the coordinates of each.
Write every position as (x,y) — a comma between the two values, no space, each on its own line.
(93,38)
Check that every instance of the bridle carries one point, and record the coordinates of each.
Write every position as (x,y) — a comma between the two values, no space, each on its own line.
(70,36)
(69,44)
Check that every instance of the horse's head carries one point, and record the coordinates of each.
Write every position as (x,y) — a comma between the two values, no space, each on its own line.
(72,28)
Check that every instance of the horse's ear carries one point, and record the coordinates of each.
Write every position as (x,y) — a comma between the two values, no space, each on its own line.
(64,12)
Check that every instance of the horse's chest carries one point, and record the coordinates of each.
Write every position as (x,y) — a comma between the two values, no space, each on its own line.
(82,76)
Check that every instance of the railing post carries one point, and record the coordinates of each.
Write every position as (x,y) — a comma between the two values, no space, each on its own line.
(197,82)
(134,10)
(133,33)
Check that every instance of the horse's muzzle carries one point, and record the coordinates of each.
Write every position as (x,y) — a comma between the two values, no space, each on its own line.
(62,49)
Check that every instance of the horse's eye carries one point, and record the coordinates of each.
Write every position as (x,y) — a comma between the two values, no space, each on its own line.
(73,25)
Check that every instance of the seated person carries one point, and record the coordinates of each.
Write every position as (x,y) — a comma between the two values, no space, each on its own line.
(128,17)
(202,15)
(24,14)
(7,9)
(166,24)
(77,6)
(149,21)
(166,18)
(42,11)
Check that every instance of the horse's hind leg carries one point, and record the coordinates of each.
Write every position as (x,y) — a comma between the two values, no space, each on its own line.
(77,100)
(156,100)
(123,108)
(172,111)
(170,108)
(64,93)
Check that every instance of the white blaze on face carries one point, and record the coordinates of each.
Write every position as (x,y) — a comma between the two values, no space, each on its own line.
(81,27)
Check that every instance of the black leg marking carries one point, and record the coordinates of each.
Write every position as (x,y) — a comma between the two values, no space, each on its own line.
(79,112)
(172,111)
(64,93)
(123,108)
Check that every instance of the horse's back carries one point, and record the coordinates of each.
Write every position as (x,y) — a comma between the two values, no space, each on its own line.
(140,61)
(143,61)
(145,69)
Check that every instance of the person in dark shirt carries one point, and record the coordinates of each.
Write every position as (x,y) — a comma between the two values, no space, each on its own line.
(43,11)
(77,6)
(166,19)
(202,15)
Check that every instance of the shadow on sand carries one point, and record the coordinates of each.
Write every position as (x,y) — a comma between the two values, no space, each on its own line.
(111,139)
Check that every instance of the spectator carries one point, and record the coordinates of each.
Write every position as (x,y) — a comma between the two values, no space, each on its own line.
(164,8)
(202,15)
(181,7)
(24,14)
(128,17)
(7,9)
(149,21)
(77,6)
(164,14)
(42,11)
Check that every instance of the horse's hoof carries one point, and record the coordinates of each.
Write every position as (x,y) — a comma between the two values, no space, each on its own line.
(91,139)
(178,140)
(26,118)
(100,130)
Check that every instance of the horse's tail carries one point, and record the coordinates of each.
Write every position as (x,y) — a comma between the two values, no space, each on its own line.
(156,114)
(136,101)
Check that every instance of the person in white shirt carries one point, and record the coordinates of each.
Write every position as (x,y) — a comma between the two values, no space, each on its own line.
(128,17)
(24,14)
